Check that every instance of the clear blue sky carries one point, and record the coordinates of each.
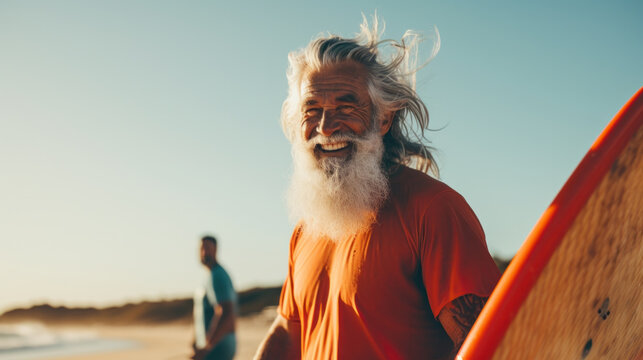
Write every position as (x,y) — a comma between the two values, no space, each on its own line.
(130,128)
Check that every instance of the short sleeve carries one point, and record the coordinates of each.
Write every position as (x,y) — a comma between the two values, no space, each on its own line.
(287,304)
(454,255)
(223,289)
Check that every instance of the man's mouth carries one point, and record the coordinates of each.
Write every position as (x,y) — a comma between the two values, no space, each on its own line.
(331,147)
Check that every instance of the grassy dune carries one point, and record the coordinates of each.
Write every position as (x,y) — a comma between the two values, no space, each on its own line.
(147,312)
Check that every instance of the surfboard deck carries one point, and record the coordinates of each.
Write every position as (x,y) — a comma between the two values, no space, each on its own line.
(575,288)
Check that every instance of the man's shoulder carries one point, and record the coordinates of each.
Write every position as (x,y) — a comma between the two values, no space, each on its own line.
(219,273)
(222,283)
(411,184)
(415,192)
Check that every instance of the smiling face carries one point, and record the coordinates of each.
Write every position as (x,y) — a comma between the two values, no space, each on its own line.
(335,109)
(338,182)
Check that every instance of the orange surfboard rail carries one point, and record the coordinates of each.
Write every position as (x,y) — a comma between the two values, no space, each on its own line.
(521,275)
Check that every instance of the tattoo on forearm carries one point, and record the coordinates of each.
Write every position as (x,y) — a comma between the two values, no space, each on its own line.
(458,317)
(465,310)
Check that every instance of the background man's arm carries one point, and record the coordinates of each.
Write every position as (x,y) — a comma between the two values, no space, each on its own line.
(458,316)
(282,342)
(223,323)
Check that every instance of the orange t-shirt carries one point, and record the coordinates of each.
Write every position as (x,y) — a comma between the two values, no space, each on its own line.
(377,295)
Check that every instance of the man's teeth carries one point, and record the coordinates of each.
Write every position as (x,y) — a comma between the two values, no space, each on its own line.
(334,146)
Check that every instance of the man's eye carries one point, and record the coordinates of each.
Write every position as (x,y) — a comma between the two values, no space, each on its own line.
(312,112)
(345,109)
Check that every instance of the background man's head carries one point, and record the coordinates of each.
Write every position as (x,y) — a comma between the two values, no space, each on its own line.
(348,115)
(208,251)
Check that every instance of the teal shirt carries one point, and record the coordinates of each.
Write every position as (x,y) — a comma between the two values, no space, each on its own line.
(216,289)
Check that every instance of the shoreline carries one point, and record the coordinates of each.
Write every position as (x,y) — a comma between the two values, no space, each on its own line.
(164,342)
(167,341)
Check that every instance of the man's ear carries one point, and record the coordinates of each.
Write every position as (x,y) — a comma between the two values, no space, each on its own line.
(387,121)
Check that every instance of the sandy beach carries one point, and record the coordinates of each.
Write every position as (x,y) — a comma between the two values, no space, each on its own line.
(172,342)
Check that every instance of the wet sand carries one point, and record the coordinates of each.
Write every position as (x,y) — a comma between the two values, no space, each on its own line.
(172,342)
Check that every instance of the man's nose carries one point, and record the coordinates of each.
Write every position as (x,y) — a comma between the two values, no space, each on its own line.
(328,125)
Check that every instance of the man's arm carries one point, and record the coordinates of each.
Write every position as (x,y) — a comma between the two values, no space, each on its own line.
(458,316)
(223,323)
(282,342)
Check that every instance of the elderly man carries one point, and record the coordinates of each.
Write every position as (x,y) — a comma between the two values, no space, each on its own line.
(385,262)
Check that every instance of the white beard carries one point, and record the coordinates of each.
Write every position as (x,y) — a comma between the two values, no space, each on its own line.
(336,197)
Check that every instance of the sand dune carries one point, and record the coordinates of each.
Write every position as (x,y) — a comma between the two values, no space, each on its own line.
(251,301)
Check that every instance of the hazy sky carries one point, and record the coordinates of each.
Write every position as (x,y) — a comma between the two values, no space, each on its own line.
(130,128)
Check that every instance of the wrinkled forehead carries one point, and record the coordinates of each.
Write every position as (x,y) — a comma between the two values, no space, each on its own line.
(346,76)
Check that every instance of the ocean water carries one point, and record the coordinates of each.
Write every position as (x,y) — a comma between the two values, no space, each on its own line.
(29,341)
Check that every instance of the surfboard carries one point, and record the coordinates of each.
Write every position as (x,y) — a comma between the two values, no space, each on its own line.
(574,290)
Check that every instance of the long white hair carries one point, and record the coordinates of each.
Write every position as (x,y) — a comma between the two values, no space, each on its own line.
(391,86)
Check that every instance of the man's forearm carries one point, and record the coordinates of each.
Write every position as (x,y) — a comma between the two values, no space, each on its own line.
(223,326)
(282,342)
(458,317)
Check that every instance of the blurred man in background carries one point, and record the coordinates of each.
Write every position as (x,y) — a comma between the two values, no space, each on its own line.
(386,262)
(215,307)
